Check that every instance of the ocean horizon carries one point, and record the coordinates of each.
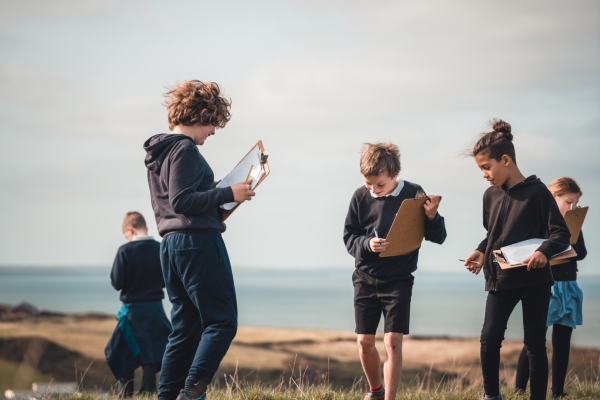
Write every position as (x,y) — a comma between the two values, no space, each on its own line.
(443,304)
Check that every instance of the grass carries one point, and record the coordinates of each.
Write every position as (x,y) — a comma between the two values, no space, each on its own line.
(296,387)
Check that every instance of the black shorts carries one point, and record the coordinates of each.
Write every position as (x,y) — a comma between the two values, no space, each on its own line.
(390,295)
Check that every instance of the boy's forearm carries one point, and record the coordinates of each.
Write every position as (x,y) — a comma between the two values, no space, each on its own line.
(435,229)
(192,203)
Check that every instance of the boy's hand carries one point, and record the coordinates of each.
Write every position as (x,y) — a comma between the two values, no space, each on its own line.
(242,192)
(431,207)
(476,256)
(375,247)
(537,260)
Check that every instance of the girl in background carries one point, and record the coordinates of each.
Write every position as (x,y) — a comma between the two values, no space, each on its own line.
(565,304)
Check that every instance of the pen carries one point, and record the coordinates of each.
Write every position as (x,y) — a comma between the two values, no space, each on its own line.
(376,235)
(472,262)
(245,183)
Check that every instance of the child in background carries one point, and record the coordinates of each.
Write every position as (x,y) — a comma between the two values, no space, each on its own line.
(566,301)
(195,263)
(515,208)
(143,330)
(383,284)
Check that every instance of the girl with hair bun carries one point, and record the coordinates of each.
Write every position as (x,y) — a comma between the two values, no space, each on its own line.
(515,209)
(566,301)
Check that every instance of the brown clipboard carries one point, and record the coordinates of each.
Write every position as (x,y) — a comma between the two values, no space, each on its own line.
(574,219)
(408,229)
(265,164)
(562,256)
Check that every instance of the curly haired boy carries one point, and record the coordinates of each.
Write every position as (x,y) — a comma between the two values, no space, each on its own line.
(195,264)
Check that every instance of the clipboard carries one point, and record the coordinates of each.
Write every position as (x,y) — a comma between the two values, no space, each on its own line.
(574,219)
(265,164)
(504,265)
(408,229)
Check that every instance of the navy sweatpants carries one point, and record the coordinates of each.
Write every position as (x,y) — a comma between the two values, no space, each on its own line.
(200,286)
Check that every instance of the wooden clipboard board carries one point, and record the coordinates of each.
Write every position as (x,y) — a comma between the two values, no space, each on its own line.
(408,229)
(265,164)
(563,256)
(574,219)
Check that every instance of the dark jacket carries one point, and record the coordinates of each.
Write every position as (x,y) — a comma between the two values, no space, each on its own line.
(137,273)
(182,186)
(367,213)
(568,271)
(525,211)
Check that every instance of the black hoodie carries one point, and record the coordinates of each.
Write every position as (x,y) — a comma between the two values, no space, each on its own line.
(525,211)
(182,186)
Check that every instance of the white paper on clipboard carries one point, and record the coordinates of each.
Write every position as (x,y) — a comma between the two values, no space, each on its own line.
(240,173)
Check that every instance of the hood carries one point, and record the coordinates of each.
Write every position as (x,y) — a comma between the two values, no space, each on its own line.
(529,181)
(158,148)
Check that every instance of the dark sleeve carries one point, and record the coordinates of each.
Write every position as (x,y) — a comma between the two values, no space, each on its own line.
(435,229)
(579,248)
(186,170)
(355,240)
(483,245)
(559,235)
(118,272)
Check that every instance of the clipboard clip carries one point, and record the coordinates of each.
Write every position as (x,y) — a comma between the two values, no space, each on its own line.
(263,157)
(498,259)
(420,194)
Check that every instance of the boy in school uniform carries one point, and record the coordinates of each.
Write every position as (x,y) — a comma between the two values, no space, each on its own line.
(195,264)
(383,284)
(143,330)
(515,208)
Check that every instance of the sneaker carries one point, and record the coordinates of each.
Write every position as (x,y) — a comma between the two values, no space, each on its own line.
(183,396)
(369,396)
(486,397)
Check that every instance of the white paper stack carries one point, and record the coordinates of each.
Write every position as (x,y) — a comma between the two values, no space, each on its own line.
(519,252)
(240,173)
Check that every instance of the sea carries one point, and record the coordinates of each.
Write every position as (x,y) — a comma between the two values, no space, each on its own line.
(449,305)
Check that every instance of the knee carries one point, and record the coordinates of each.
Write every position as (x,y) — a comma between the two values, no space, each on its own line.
(491,340)
(365,343)
(393,341)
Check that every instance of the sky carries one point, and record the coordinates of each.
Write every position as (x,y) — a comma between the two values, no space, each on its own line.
(81,85)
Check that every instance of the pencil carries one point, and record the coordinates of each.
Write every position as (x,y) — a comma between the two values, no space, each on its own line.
(472,262)
(245,183)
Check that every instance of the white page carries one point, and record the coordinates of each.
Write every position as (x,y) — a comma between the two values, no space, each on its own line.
(519,252)
(240,173)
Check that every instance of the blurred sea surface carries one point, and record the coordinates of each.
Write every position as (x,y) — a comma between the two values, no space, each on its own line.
(442,304)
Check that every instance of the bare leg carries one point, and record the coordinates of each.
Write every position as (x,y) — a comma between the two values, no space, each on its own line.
(369,357)
(392,367)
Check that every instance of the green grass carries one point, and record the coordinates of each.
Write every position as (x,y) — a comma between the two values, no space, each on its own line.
(295,387)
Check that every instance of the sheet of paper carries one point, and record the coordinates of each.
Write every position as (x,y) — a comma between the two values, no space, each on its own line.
(519,252)
(240,173)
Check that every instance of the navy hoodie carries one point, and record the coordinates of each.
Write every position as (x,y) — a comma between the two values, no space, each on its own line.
(182,186)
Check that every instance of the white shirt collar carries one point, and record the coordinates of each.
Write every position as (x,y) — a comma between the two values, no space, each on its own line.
(147,237)
(396,191)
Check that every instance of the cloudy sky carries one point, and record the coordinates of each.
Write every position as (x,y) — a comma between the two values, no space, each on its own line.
(81,85)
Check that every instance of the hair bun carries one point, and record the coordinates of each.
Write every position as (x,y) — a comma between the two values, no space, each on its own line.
(502,127)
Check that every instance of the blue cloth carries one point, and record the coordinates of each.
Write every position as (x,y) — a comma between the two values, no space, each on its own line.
(140,337)
(565,304)
(200,286)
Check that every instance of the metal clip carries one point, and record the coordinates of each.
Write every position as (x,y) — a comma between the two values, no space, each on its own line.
(420,194)
(263,157)
(498,259)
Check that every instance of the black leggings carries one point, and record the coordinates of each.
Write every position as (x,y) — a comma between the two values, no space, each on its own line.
(500,304)
(561,347)
(148,381)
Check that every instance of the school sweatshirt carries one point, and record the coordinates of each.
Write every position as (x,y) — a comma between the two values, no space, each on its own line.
(512,215)
(182,186)
(568,271)
(136,271)
(367,213)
